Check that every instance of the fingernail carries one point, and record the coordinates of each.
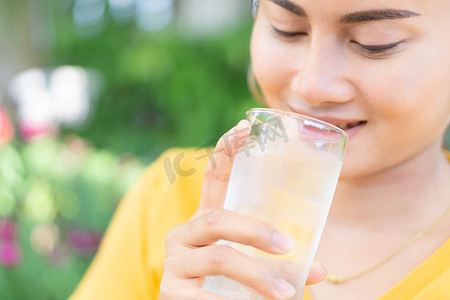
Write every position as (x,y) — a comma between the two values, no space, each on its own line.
(239,124)
(283,241)
(325,273)
(325,268)
(317,273)
(284,289)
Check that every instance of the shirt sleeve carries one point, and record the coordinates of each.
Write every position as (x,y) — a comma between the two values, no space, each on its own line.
(129,262)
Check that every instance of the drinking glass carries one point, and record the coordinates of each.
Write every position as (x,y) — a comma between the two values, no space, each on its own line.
(285,175)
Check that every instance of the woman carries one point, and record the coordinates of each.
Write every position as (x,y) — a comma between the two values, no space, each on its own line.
(378,69)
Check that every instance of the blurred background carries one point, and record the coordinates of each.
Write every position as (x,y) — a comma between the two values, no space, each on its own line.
(91,92)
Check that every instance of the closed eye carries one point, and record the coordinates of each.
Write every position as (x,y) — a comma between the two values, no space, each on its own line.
(378,50)
(288,34)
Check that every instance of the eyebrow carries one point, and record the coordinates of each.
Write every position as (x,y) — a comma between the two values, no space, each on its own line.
(356,17)
(377,14)
(290,6)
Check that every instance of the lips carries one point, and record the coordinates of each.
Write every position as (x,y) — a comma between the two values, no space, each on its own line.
(348,126)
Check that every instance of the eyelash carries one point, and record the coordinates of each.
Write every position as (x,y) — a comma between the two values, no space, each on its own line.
(378,50)
(287,34)
(371,50)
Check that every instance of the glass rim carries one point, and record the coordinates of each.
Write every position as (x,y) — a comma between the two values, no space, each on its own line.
(301,117)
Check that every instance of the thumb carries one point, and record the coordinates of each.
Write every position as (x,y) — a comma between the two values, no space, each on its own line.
(317,273)
(218,170)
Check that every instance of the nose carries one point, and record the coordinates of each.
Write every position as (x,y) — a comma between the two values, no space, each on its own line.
(323,76)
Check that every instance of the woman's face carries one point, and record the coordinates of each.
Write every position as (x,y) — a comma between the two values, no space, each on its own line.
(378,69)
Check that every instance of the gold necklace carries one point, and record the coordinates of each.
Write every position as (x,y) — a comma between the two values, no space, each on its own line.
(339,280)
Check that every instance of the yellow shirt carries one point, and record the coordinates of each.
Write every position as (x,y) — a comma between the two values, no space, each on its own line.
(129,262)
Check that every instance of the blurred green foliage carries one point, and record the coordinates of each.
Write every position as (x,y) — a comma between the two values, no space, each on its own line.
(161,90)
(52,189)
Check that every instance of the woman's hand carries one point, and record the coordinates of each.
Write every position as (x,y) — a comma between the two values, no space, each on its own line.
(191,253)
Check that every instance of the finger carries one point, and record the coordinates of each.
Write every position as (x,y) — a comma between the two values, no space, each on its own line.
(224,260)
(175,289)
(317,273)
(231,226)
(218,171)
(197,294)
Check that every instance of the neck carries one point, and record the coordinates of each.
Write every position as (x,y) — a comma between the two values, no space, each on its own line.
(417,189)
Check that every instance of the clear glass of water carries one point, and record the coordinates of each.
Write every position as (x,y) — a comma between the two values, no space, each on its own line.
(285,175)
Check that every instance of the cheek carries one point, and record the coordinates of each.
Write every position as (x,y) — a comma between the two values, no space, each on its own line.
(414,88)
(408,103)
(271,62)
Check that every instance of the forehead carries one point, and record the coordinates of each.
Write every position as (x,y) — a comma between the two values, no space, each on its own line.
(339,7)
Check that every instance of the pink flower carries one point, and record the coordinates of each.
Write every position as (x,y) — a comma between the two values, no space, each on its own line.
(8,230)
(6,128)
(10,254)
(30,131)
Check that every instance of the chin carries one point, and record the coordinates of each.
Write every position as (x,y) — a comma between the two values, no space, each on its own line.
(348,173)
(356,166)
